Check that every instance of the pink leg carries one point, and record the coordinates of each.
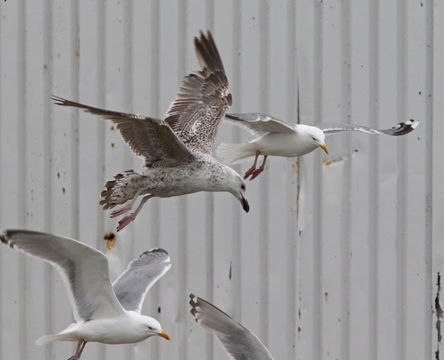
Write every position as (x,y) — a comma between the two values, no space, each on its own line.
(131,217)
(250,170)
(128,207)
(80,346)
(258,171)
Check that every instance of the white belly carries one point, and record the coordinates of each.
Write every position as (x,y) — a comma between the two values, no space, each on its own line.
(289,145)
(122,330)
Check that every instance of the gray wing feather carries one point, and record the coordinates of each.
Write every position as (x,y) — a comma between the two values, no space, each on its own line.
(141,274)
(151,138)
(259,123)
(202,100)
(238,341)
(84,270)
(402,128)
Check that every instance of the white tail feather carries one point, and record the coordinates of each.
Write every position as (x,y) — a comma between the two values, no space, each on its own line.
(48,338)
(234,153)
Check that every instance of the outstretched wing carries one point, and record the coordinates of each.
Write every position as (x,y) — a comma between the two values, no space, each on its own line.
(151,138)
(259,123)
(143,272)
(202,100)
(237,340)
(402,128)
(84,270)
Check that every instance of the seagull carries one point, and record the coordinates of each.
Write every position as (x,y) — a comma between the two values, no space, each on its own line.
(238,341)
(177,150)
(104,313)
(279,138)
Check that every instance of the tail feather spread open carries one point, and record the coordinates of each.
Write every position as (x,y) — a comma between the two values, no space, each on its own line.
(234,153)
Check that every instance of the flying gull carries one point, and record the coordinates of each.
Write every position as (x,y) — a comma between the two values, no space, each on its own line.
(104,313)
(279,138)
(177,150)
(238,341)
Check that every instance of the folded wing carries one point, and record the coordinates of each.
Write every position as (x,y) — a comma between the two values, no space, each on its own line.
(237,340)
(143,272)
(84,270)
(151,138)
(202,100)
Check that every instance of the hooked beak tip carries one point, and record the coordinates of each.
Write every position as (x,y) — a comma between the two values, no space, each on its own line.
(164,335)
(324,147)
(245,205)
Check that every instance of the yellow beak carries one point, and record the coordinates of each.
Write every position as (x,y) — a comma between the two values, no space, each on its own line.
(324,147)
(164,335)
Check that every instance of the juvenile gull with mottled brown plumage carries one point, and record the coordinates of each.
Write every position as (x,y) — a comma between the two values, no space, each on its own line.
(178,150)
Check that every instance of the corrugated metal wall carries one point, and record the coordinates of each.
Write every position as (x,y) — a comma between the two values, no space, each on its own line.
(339,255)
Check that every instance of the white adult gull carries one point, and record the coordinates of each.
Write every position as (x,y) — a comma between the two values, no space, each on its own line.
(178,150)
(279,138)
(239,342)
(104,313)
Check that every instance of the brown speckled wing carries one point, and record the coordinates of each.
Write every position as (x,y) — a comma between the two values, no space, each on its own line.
(202,100)
(151,138)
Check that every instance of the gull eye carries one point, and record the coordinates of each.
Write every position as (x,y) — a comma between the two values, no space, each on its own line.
(149,327)
(243,187)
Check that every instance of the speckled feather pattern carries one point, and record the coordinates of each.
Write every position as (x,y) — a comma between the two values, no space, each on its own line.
(202,100)
(204,174)
(177,150)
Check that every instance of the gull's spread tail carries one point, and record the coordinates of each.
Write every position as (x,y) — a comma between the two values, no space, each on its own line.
(233,153)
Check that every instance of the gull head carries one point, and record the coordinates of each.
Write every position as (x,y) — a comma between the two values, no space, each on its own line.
(316,136)
(152,327)
(236,186)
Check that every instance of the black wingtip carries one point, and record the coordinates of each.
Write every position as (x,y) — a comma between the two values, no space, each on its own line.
(4,238)
(153,251)
(404,128)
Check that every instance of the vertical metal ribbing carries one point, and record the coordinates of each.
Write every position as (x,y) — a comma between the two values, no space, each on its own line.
(182,214)
(346,184)
(236,210)
(101,98)
(264,233)
(22,172)
(317,175)
(401,238)
(47,153)
(128,105)
(74,82)
(155,84)
(209,214)
(373,201)
(1,182)
(428,179)
(292,216)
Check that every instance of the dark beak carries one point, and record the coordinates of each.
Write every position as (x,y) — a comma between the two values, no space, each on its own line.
(245,205)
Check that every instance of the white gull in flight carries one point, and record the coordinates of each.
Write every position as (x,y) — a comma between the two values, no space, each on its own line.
(239,342)
(279,138)
(104,313)
(178,150)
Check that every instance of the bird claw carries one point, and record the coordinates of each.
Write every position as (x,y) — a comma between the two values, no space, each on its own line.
(125,221)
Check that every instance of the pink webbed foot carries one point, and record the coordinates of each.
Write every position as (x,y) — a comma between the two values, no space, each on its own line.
(253,167)
(80,346)
(121,211)
(256,173)
(126,221)
(131,217)
(249,172)
(259,170)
